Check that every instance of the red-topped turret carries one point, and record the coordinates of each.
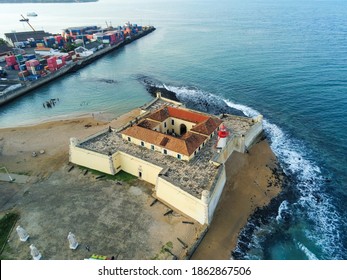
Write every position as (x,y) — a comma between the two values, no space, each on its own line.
(222,136)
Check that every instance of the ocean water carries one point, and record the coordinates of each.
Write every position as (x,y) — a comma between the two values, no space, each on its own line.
(286,60)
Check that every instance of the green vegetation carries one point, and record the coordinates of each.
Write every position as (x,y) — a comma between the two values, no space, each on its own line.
(124,176)
(120,176)
(164,251)
(6,224)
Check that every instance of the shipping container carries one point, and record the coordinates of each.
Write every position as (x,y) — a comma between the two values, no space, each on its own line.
(32,62)
(52,59)
(52,66)
(23,73)
(10,60)
(33,77)
(29,56)
(19,57)
(22,67)
(43,61)
(39,67)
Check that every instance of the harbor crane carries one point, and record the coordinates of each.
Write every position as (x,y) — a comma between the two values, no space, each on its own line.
(27,21)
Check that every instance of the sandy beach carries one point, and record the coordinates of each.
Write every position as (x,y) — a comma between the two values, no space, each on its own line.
(251,184)
(100,213)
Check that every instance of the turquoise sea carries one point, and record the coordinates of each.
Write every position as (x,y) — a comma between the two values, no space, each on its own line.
(284,59)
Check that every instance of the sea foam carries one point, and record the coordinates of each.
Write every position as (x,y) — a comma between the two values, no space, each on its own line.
(313,207)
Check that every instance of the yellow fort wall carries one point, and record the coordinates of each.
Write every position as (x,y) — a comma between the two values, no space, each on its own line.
(117,162)
(240,143)
(90,159)
(176,126)
(181,200)
(216,192)
(199,209)
(253,133)
(134,165)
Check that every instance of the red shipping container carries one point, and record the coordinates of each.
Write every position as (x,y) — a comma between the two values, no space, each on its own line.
(11,60)
(32,62)
(23,73)
(66,57)
(52,59)
(52,63)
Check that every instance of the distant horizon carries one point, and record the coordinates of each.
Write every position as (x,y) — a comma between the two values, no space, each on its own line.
(45,1)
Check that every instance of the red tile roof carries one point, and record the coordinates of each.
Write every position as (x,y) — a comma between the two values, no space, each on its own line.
(186,115)
(178,113)
(208,126)
(160,115)
(148,124)
(185,145)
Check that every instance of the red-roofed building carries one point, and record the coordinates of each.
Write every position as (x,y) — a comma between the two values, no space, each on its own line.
(191,188)
(177,132)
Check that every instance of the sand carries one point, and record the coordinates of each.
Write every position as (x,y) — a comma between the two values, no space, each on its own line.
(49,182)
(251,184)
(17,144)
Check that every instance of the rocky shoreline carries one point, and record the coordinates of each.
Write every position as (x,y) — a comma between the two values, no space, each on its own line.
(216,108)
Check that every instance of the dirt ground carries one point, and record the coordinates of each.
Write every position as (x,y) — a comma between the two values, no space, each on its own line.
(112,219)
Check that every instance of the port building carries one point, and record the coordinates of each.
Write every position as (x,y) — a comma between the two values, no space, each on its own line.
(20,37)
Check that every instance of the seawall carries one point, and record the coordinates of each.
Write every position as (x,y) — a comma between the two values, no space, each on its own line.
(30,86)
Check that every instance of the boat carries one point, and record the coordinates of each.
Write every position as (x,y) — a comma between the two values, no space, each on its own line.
(32,14)
(24,19)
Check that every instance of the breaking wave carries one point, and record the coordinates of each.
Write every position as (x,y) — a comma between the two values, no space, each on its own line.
(283,212)
(309,205)
(307,252)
